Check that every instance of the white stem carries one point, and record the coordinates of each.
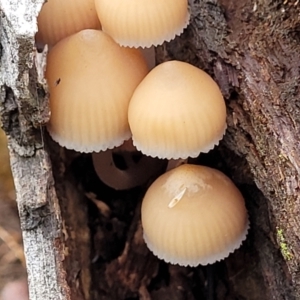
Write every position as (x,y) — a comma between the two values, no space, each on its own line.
(174,163)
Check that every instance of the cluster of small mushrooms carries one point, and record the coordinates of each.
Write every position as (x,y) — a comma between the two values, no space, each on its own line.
(104,100)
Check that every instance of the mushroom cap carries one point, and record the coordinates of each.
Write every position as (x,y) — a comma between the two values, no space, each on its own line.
(193,215)
(134,170)
(91,80)
(177,111)
(59,19)
(143,23)
(15,290)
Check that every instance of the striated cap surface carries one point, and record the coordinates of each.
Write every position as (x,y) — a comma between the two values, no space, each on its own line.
(91,80)
(143,23)
(193,215)
(59,19)
(177,111)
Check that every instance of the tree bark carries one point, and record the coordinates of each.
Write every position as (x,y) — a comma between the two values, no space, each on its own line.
(83,240)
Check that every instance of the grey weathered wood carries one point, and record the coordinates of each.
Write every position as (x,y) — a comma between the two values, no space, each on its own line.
(22,111)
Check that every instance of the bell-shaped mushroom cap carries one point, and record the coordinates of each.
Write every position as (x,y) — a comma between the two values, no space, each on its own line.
(193,215)
(91,80)
(177,111)
(124,167)
(143,23)
(59,19)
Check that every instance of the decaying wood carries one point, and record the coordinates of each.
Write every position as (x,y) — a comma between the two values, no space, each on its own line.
(23,110)
(252,49)
(83,240)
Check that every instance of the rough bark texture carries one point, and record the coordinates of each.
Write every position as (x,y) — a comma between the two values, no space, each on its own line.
(83,240)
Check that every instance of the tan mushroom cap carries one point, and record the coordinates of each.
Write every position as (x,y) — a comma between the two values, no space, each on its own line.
(177,111)
(193,215)
(91,80)
(143,23)
(59,19)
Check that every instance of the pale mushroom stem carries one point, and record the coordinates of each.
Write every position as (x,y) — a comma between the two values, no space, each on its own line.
(123,167)
(149,55)
(174,163)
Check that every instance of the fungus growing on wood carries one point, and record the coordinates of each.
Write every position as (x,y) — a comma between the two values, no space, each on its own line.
(124,167)
(193,215)
(149,55)
(177,111)
(143,23)
(59,19)
(91,80)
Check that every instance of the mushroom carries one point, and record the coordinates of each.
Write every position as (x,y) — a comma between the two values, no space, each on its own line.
(15,290)
(91,80)
(143,23)
(149,55)
(193,215)
(124,167)
(177,111)
(59,19)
